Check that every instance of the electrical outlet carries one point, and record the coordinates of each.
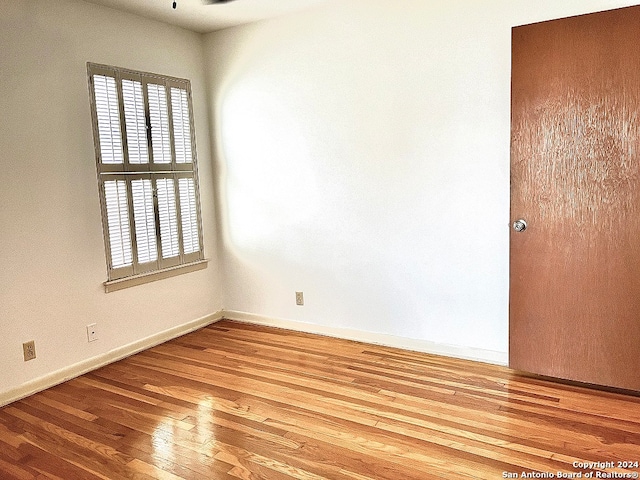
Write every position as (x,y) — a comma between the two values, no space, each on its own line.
(92,332)
(299,298)
(29,350)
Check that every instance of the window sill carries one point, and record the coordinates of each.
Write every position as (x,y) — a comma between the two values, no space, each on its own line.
(122,283)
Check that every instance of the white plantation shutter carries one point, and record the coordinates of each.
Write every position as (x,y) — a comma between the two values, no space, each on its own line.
(144,220)
(189,215)
(181,125)
(159,123)
(115,194)
(135,122)
(168,218)
(147,170)
(106,104)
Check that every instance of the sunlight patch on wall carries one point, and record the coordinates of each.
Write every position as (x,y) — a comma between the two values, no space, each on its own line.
(271,182)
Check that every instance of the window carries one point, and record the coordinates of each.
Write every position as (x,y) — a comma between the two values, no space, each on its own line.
(147,173)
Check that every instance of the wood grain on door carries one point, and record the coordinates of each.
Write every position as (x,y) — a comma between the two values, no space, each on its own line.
(575,179)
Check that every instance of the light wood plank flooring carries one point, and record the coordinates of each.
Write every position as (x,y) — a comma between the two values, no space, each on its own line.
(243,401)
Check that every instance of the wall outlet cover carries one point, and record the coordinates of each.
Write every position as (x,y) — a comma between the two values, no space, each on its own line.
(29,350)
(92,332)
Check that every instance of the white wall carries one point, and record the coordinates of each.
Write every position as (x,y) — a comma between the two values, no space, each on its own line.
(363,150)
(52,261)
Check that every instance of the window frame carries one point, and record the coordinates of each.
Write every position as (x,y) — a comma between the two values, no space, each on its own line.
(128,275)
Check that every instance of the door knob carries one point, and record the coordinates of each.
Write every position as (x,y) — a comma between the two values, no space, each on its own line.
(520,225)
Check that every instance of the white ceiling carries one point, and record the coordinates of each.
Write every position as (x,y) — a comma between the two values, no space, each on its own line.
(194,15)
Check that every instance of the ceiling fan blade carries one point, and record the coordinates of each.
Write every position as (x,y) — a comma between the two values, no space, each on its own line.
(211,2)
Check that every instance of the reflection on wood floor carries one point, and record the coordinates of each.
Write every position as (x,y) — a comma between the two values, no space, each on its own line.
(242,401)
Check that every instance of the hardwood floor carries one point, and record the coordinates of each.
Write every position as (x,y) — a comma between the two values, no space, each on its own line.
(243,401)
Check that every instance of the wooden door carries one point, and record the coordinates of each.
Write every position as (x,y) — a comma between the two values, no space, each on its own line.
(575,179)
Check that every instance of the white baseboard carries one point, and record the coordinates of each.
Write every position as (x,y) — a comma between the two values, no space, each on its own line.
(90,364)
(469,353)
